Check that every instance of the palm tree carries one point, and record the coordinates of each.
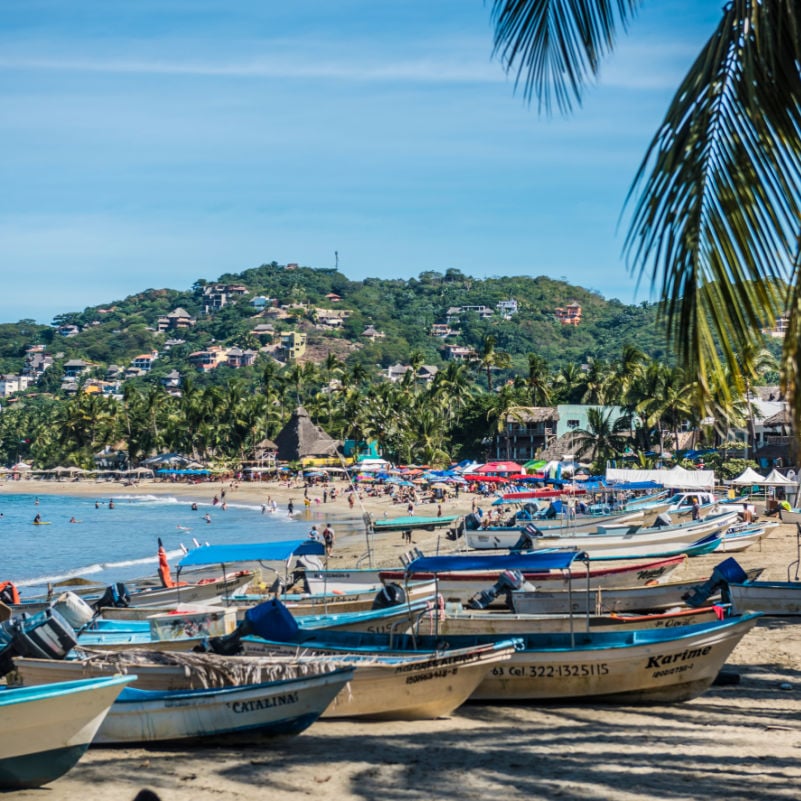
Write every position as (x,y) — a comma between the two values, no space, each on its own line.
(716,202)
(538,380)
(489,359)
(603,438)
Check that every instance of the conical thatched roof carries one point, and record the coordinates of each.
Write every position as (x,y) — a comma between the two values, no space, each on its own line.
(300,438)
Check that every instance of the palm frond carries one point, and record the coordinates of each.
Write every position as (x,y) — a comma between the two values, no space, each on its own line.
(716,218)
(556,46)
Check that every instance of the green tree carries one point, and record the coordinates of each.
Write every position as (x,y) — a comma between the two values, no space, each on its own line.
(716,202)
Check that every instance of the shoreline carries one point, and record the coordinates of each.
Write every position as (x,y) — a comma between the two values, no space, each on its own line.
(350,544)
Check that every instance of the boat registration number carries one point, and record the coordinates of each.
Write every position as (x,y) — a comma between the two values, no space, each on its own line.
(551,671)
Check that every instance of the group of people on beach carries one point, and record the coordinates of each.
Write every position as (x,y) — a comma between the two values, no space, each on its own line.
(326,537)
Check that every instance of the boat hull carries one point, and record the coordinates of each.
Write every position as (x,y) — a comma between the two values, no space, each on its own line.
(46,734)
(637,673)
(274,708)
(462,585)
(779,598)
(627,545)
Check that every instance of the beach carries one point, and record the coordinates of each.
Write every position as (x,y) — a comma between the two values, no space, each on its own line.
(736,741)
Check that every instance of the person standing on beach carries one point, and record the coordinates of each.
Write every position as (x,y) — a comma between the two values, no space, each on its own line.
(328,538)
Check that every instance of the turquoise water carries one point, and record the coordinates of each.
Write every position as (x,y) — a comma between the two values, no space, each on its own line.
(117,544)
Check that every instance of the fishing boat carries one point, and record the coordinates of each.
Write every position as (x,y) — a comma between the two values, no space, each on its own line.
(116,635)
(418,685)
(458,621)
(459,580)
(48,728)
(412,522)
(460,576)
(505,535)
(638,666)
(609,541)
(778,598)
(738,538)
(656,665)
(577,600)
(282,707)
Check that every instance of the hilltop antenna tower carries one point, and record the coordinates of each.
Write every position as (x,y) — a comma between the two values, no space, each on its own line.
(336,259)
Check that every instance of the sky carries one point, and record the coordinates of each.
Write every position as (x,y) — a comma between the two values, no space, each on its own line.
(150,143)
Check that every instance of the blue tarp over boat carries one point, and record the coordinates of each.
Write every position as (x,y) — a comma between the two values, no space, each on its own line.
(532,562)
(250,552)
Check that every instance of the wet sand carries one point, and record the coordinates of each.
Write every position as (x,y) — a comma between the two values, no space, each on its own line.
(737,742)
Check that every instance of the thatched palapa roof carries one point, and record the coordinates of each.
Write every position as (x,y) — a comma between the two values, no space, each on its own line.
(300,438)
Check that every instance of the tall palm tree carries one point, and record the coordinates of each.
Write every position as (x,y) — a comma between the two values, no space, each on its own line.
(489,358)
(539,380)
(603,438)
(716,202)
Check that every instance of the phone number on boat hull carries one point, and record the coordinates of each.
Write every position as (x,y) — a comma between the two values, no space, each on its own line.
(552,671)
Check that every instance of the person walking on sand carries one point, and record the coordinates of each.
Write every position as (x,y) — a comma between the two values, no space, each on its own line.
(328,538)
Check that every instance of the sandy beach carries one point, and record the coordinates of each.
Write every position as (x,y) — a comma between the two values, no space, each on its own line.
(735,742)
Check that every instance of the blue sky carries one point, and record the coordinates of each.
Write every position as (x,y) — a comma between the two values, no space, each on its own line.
(149,143)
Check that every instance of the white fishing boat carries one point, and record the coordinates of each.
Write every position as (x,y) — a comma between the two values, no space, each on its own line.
(608,600)
(738,538)
(641,666)
(451,621)
(778,598)
(47,729)
(455,580)
(280,707)
(605,543)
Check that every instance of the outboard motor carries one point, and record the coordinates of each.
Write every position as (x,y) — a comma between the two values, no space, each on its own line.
(507,581)
(662,520)
(270,620)
(728,571)
(388,596)
(115,595)
(472,522)
(45,635)
(527,540)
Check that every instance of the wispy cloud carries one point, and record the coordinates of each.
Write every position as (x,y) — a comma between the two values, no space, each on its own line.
(418,70)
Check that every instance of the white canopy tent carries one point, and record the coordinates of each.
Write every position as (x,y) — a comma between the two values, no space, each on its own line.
(675,478)
(748,477)
(776,479)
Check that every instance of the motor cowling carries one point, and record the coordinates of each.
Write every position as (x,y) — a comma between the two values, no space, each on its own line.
(116,595)
(388,596)
(507,581)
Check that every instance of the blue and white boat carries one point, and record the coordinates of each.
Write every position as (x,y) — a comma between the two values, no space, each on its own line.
(46,729)
(658,665)
(283,707)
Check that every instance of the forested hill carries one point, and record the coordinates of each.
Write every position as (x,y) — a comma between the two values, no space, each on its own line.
(402,312)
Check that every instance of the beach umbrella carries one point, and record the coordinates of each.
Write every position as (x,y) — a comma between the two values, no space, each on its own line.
(21,466)
(440,485)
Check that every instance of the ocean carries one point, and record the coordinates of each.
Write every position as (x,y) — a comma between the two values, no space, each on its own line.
(108,545)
